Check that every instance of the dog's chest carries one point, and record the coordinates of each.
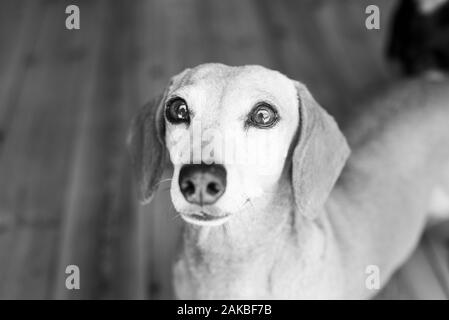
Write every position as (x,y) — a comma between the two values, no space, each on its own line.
(248,279)
(285,277)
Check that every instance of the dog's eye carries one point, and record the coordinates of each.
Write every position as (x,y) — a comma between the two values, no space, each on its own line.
(176,111)
(263,116)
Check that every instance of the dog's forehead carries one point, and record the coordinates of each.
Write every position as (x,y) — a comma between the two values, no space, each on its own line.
(218,80)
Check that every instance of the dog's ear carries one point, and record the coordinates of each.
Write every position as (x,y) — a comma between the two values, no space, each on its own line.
(146,144)
(319,156)
(147,148)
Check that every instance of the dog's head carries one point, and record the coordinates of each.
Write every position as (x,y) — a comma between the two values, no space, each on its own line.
(233,134)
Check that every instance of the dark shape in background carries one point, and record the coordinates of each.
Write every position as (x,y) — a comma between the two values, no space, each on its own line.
(419,42)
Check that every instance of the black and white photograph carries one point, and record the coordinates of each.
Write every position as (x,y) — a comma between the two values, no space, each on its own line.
(219,150)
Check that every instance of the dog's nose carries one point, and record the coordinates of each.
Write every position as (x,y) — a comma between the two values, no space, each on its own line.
(202,184)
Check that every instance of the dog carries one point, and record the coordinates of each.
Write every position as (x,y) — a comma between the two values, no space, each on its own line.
(328,205)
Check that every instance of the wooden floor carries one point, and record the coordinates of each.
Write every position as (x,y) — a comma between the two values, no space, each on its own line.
(66,98)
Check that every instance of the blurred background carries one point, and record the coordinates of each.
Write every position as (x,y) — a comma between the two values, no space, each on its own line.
(66,100)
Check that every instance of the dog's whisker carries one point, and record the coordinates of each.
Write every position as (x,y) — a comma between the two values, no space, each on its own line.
(177,215)
(248,199)
(252,205)
(163,180)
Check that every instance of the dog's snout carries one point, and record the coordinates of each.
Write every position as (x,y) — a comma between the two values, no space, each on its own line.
(202,184)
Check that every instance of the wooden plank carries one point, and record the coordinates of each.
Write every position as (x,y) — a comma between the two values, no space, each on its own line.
(100,224)
(326,46)
(36,154)
(395,289)
(307,20)
(17,19)
(425,275)
(232,33)
(289,53)
(121,240)
(437,252)
(12,22)
(17,190)
(292,32)
(419,277)
(357,52)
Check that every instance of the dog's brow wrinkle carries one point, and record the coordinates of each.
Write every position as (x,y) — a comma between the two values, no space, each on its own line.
(222,95)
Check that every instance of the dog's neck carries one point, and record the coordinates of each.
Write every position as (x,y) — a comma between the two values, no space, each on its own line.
(239,258)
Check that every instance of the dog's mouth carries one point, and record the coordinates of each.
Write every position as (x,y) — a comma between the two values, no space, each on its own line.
(205,219)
